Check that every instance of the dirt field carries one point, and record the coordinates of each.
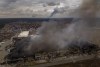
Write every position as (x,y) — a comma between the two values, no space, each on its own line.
(86,63)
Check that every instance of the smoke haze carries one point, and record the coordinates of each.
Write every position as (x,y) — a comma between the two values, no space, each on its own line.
(54,35)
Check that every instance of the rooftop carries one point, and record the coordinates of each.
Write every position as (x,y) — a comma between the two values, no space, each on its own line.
(24,34)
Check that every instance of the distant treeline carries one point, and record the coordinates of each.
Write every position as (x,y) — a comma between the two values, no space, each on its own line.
(8,20)
(4,21)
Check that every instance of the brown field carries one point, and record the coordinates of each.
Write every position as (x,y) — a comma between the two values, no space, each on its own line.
(86,63)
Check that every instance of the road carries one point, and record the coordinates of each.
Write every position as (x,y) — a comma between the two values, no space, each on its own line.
(3,52)
(65,60)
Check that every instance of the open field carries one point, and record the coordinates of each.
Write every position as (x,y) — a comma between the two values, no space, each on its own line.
(86,63)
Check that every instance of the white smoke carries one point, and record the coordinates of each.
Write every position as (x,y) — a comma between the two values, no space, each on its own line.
(53,35)
(62,34)
(59,33)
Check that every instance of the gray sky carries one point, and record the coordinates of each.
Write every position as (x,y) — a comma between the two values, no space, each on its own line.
(37,8)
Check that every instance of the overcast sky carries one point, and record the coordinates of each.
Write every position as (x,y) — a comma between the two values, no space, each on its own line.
(37,8)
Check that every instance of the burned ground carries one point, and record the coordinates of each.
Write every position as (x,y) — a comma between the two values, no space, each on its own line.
(75,47)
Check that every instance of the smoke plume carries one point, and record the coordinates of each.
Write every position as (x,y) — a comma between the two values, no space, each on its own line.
(53,35)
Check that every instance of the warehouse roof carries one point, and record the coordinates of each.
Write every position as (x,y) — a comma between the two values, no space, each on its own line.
(24,34)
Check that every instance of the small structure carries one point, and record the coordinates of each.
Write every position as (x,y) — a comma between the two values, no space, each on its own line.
(20,36)
(24,34)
